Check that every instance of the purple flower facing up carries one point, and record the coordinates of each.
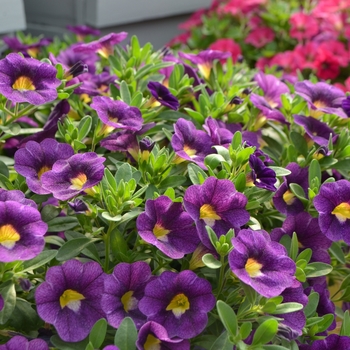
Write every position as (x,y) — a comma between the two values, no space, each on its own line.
(153,336)
(104,45)
(124,288)
(309,235)
(117,114)
(19,342)
(261,175)
(322,98)
(284,199)
(70,298)
(72,176)
(204,60)
(16,196)
(27,80)
(179,302)
(316,130)
(163,96)
(261,263)
(21,232)
(216,203)
(37,158)
(190,144)
(333,205)
(167,226)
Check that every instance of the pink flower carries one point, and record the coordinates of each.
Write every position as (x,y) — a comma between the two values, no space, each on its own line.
(259,37)
(290,61)
(303,26)
(194,21)
(179,39)
(237,7)
(338,50)
(263,62)
(227,45)
(326,64)
(308,53)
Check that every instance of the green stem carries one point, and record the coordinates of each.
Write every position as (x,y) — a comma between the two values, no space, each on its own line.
(221,275)
(107,239)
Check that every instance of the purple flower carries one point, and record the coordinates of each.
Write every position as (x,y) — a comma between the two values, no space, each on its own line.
(82,30)
(189,143)
(21,232)
(16,196)
(333,205)
(216,203)
(167,226)
(117,114)
(333,341)
(74,175)
(284,199)
(261,263)
(179,302)
(104,45)
(163,95)
(2,302)
(204,60)
(27,80)
(70,298)
(152,335)
(322,98)
(317,131)
(19,342)
(218,132)
(272,87)
(261,175)
(124,288)
(309,235)
(346,105)
(78,206)
(37,158)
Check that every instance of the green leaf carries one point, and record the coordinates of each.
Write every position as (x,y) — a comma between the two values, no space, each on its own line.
(49,212)
(280,171)
(274,347)
(198,117)
(84,127)
(325,323)
(4,169)
(265,332)
(194,171)
(293,252)
(62,223)
(8,293)
(298,191)
(317,269)
(337,252)
(249,292)
(98,333)
(286,308)
(236,140)
(312,304)
(345,328)
(73,248)
(40,260)
(126,335)
(299,143)
(62,345)
(211,262)
(125,93)
(173,181)
(227,317)
(124,173)
(213,160)
(305,255)
(222,343)
(314,171)
(245,330)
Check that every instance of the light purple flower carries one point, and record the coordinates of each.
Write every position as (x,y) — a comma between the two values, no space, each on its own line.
(218,132)
(21,232)
(27,80)
(124,288)
(117,114)
(179,302)
(83,30)
(163,96)
(167,226)
(16,196)
(152,335)
(37,158)
(70,298)
(19,342)
(74,175)
(216,203)
(261,263)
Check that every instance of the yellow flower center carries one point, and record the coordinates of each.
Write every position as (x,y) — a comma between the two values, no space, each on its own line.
(205,69)
(8,236)
(43,170)
(78,182)
(253,268)
(208,214)
(189,151)
(178,305)
(288,197)
(160,232)
(152,343)
(71,299)
(342,211)
(23,83)
(128,301)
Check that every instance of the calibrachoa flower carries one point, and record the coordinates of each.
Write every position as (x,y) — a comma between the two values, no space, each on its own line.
(70,298)
(167,226)
(261,175)
(74,175)
(16,196)
(37,158)
(152,335)
(19,342)
(333,341)
(124,288)
(82,30)
(303,26)
(261,263)
(162,95)
(259,37)
(227,45)
(178,301)
(189,143)
(117,114)
(216,203)
(21,232)
(27,80)
(333,205)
